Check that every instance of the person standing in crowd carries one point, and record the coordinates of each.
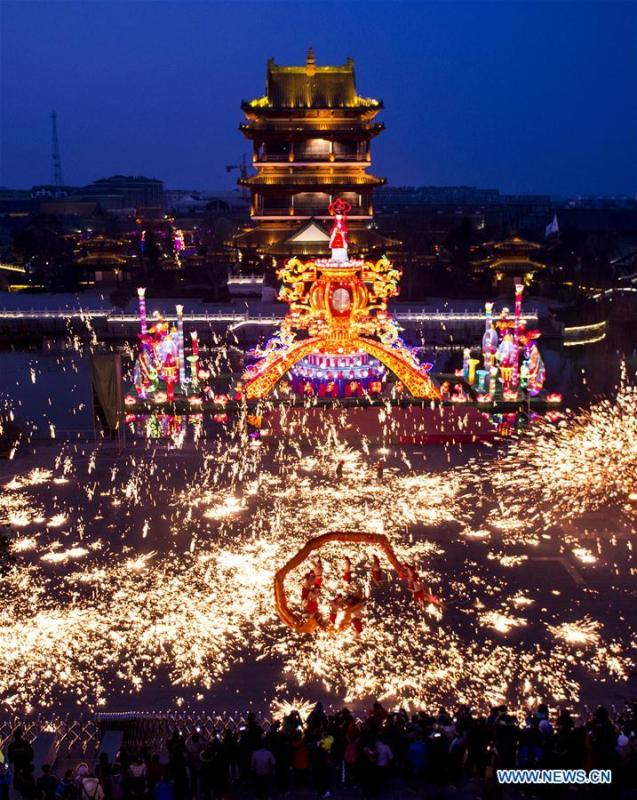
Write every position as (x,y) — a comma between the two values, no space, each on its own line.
(135,783)
(350,751)
(213,771)
(300,759)
(154,773)
(5,781)
(416,760)
(20,755)
(384,757)
(163,789)
(177,772)
(104,771)
(25,785)
(263,764)
(91,788)
(320,761)
(46,784)
(367,765)
(194,749)
(66,789)
(231,754)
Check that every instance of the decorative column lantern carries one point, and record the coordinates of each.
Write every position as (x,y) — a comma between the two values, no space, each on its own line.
(194,358)
(141,294)
(519,290)
(180,344)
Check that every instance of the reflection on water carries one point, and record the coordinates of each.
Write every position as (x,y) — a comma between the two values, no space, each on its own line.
(48,389)
(166,426)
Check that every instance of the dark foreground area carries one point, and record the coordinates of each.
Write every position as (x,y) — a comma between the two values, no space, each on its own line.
(381,754)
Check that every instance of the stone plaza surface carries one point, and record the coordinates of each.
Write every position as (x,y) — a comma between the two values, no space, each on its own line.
(144,580)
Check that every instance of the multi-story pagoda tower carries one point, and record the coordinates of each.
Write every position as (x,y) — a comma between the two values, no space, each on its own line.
(311,136)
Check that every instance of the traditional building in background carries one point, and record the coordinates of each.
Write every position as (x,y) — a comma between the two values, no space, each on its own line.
(311,135)
(105,259)
(511,262)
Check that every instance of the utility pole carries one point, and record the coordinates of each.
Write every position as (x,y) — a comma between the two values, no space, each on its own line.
(242,168)
(56,161)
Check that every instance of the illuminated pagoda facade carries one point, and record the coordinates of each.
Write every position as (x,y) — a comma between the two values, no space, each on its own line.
(311,137)
(512,261)
(338,338)
(105,259)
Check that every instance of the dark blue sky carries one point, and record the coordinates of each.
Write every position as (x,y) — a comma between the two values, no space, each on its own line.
(523,96)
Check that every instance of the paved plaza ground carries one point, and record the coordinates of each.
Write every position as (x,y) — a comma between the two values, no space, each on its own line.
(145,581)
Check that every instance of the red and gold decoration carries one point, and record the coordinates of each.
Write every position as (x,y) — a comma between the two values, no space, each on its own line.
(338,337)
(309,624)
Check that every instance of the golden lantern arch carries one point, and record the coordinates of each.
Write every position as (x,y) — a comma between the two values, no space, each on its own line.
(341,305)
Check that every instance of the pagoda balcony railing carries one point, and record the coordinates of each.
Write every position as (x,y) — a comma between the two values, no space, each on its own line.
(284,159)
(307,211)
(347,179)
(311,124)
(301,158)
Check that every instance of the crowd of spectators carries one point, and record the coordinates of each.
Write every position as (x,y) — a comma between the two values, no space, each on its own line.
(333,754)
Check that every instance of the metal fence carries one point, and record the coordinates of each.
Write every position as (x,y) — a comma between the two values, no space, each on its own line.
(81,737)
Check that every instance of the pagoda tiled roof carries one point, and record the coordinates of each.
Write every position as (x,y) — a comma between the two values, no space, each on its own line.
(516,245)
(280,242)
(310,86)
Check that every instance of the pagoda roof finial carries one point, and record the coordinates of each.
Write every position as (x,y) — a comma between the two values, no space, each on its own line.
(310,62)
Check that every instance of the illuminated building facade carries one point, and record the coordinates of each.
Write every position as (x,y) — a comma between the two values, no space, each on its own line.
(512,261)
(311,137)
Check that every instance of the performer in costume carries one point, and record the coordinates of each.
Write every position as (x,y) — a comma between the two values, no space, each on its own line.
(411,575)
(347,570)
(377,573)
(336,604)
(418,591)
(317,566)
(311,603)
(356,607)
(308,583)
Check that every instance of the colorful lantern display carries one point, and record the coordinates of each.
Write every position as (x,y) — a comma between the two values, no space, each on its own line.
(160,367)
(510,353)
(340,305)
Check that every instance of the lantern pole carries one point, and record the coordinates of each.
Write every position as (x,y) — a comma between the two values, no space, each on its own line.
(180,344)
(141,294)
(515,378)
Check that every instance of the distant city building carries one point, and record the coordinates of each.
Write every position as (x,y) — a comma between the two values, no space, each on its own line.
(50,190)
(125,192)
(445,195)
(311,136)
(455,195)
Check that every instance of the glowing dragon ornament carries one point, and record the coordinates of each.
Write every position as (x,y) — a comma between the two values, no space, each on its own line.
(337,314)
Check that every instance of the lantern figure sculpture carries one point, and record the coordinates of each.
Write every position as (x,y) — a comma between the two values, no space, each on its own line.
(338,338)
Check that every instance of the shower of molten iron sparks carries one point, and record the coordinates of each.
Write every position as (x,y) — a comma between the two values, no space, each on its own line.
(102,599)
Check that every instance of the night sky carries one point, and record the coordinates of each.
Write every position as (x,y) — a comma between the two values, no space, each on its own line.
(522,96)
